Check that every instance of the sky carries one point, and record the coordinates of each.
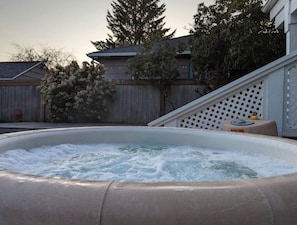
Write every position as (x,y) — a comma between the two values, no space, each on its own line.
(71,25)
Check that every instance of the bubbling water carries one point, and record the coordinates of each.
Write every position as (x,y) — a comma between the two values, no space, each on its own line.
(141,163)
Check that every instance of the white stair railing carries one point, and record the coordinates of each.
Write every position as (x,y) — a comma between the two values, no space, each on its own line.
(268,91)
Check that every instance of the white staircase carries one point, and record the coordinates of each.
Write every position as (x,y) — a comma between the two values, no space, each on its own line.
(271,91)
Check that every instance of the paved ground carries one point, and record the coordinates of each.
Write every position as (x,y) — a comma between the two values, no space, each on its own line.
(13,127)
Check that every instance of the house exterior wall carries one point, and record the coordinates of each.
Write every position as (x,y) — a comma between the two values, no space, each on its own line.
(284,13)
(280,11)
(117,68)
(185,68)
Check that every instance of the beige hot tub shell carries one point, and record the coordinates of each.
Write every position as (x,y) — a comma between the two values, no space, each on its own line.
(33,200)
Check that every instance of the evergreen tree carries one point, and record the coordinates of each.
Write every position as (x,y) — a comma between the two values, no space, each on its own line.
(134,22)
(232,38)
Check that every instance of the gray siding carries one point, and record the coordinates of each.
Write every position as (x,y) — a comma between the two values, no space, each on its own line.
(117,68)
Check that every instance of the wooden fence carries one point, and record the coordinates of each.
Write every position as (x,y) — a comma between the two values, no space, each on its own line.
(139,102)
(136,102)
(20,102)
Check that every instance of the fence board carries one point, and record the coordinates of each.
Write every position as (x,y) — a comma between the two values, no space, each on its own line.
(133,104)
(136,102)
(23,98)
(140,104)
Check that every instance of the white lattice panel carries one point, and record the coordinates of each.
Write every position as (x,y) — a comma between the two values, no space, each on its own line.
(291,98)
(239,105)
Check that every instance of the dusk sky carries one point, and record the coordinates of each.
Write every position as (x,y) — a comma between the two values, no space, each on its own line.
(70,25)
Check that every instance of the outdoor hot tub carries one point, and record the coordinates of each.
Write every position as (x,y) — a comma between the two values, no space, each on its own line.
(36,200)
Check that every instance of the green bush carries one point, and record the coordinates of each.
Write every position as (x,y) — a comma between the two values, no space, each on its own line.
(74,94)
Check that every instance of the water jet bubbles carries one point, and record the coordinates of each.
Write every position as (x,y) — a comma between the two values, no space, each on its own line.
(141,163)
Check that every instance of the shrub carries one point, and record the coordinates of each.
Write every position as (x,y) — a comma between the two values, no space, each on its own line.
(74,94)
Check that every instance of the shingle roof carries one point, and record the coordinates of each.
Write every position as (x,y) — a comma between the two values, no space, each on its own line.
(134,49)
(12,70)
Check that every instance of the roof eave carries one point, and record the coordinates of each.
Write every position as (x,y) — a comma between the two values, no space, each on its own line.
(268,6)
(118,54)
(123,54)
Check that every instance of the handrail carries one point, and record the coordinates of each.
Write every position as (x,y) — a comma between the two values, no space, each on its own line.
(225,91)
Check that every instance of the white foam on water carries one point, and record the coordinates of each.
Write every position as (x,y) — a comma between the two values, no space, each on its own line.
(141,163)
